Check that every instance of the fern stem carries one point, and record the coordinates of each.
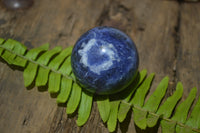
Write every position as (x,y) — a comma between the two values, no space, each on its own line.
(163,118)
(35,62)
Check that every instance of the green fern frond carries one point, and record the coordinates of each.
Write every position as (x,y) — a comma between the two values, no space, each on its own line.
(52,68)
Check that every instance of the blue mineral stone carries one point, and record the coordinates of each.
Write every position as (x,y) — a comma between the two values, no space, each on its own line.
(104,60)
(17,4)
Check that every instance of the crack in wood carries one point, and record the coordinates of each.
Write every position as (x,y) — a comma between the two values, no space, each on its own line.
(27,119)
(123,7)
(116,15)
(104,14)
(177,40)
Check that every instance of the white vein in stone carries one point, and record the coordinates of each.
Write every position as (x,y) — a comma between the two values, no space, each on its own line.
(106,48)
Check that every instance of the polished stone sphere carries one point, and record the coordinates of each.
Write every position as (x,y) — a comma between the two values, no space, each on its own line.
(17,4)
(104,60)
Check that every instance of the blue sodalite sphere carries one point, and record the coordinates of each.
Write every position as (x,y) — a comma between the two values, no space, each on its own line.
(104,60)
(18,4)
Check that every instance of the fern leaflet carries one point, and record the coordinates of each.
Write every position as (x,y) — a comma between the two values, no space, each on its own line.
(52,68)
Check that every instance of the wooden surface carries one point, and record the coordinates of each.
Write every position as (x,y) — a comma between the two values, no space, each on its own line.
(166,33)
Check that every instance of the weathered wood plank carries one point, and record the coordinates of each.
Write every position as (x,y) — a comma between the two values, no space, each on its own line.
(154,25)
(188,49)
(59,23)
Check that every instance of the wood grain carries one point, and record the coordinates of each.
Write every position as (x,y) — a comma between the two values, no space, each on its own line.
(188,49)
(166,33)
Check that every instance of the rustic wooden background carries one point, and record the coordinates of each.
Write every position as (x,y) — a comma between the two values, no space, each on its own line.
(166,33)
